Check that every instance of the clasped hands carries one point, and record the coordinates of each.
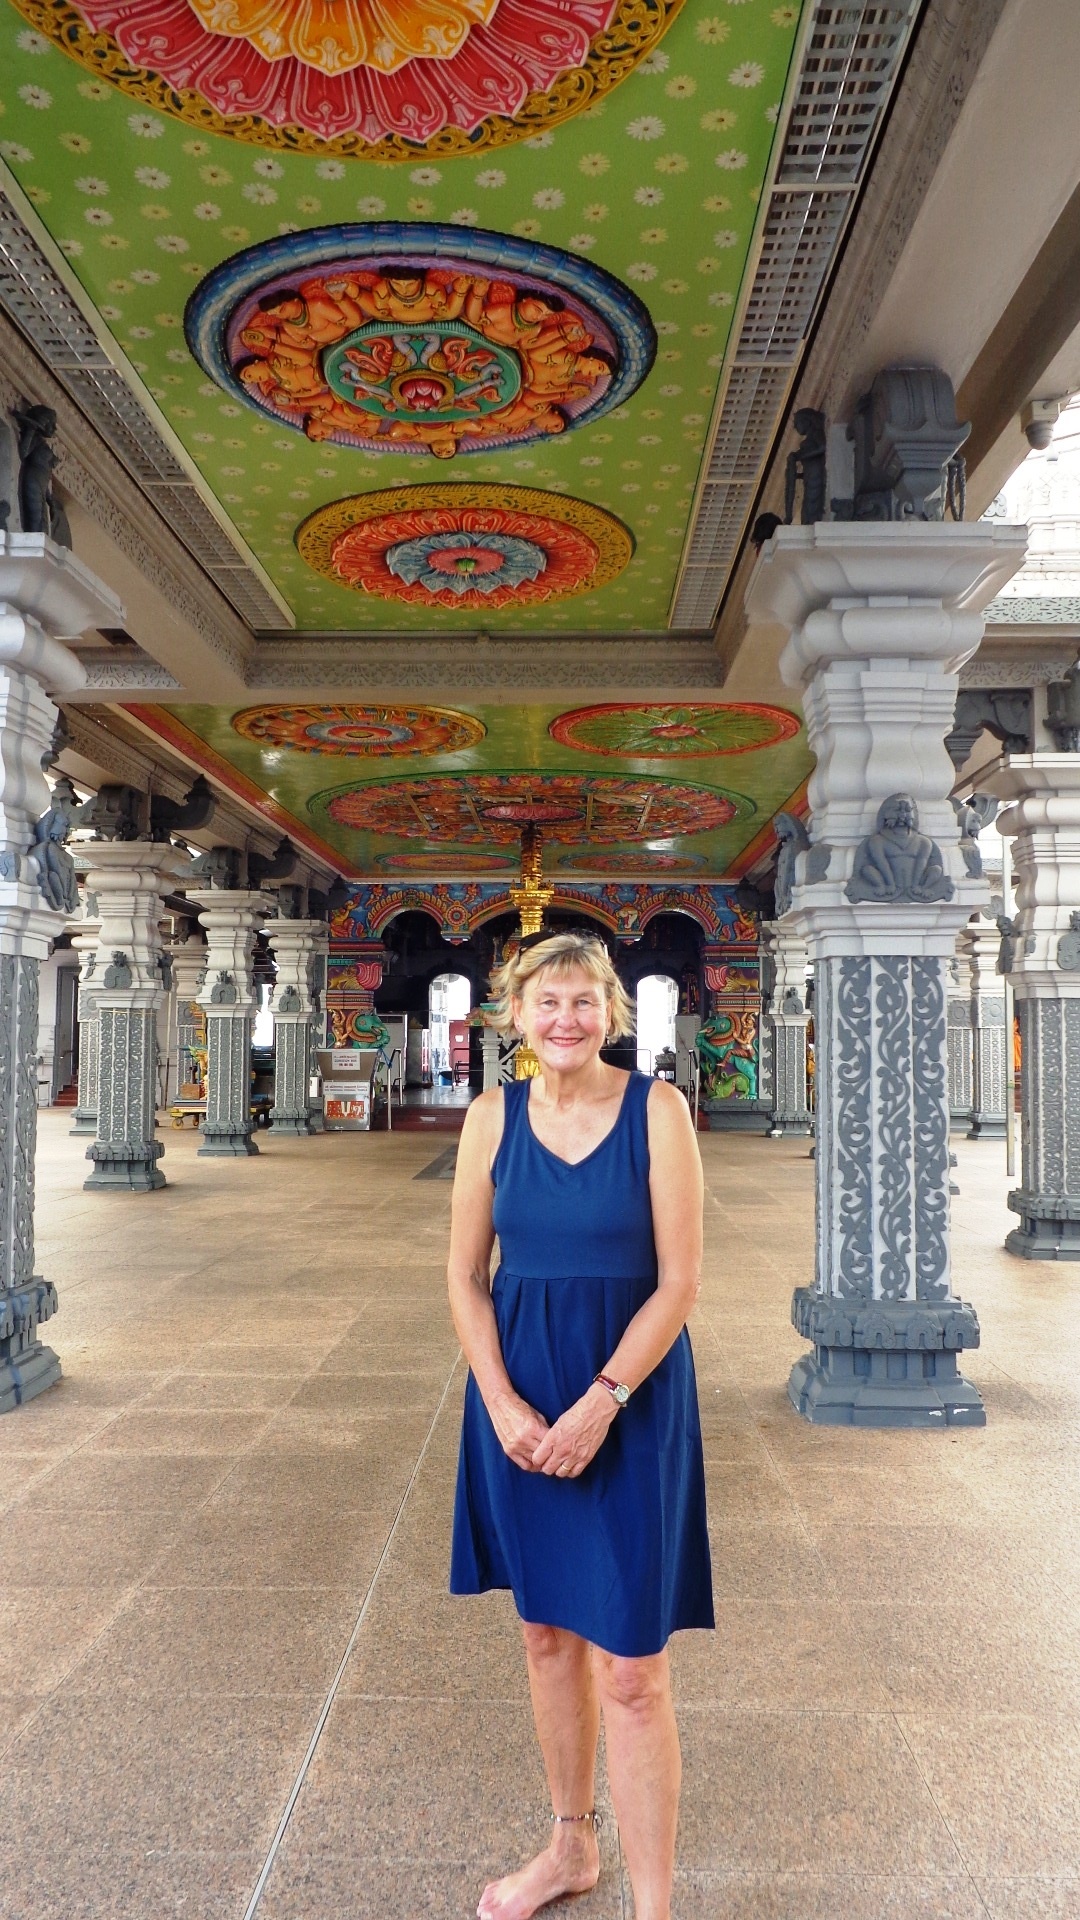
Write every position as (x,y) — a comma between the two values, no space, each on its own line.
(563,1449)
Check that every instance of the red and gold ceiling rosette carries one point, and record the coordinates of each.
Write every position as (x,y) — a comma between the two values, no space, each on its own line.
(378,78)
(519,545)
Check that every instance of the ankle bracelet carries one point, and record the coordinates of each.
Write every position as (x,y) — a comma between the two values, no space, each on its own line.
(576,1819)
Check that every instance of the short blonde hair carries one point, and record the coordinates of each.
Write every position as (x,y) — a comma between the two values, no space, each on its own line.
(561,955)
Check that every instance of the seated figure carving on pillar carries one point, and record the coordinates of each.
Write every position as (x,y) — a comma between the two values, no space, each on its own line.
(896,862)
(806,463)
(906,437)
(1063,710)
(1068,947)
(56,868)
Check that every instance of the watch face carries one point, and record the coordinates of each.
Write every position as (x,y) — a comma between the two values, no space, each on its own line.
(622,1395)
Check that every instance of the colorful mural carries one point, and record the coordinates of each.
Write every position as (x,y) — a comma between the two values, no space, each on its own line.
(360,732)
(636,819)
(380,78)
(417,338)
(625,910)
(492,808)
(655,185)
(466,546)
(639,732)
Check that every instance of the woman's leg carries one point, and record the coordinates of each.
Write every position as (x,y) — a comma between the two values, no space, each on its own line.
(567,1715)
(645,1771)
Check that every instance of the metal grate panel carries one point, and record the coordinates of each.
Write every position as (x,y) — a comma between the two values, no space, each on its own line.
(36,299)
(848,71)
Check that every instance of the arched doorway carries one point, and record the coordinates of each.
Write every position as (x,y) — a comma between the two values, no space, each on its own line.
(657,1005)
(449,1005)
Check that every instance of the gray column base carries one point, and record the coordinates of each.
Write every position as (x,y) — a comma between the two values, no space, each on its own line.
(1049,1226)
(226,1143)
(987,1126)
(884,1363)
(120,1166)
(85,1123)
(297,1126)
(26,1366)
(781,1126)
(724,1116)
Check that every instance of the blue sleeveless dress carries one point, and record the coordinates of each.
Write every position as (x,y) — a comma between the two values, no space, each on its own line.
(619,1555)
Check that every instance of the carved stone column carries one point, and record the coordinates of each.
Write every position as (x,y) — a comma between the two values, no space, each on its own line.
(1043,956)
(129,878)
(961,1039)
(880,617)
(188,966)
(992,1080)
(84,940)
(296,946)
(227,997)
(788,1018)
(44,593)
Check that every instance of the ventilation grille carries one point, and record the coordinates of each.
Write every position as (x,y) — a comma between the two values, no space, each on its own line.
(36,299)
(848,71)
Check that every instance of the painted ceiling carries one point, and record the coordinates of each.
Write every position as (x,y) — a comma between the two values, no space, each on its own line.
(433,296)
(625,788)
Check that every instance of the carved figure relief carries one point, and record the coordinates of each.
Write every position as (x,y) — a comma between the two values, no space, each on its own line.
(223,992)
(1068,947)
(806,467)
(118,974)
(793,839)
(896,862)
(425,339)
(56,868)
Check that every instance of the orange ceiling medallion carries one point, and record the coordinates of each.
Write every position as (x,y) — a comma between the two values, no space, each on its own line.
(360,732)
(378,79)
(465,548)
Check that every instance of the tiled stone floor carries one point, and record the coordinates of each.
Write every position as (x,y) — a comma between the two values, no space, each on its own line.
(247,1475)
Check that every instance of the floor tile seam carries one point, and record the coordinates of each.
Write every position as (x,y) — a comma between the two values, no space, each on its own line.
(324,1713)
(921,1771)
(80,1446)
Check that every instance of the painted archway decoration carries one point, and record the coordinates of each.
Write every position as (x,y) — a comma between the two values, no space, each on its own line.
(419,337)
(381,79)
(360,732)
(624,908)
(491,809)
(699,730)
(466,548)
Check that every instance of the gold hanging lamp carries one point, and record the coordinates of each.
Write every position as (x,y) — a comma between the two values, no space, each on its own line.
(530,897)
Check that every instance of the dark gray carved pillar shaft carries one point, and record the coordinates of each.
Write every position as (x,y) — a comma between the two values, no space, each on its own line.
(961,1039)
(298,947)
(125,1152)
(992,1045)
(1043,823)
(291,1112)
(86,1111)
(26,1366)
(232,918)
(228,1127)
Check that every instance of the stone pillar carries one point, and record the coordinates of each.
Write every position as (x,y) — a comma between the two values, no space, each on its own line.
(227,997)
(296,946)
(1043,960)
(84,940)
(992,1079)
(880,618)
(788,1018)
(44,593)
(188,965)
(129,878)
(489,1044)
(961,1047)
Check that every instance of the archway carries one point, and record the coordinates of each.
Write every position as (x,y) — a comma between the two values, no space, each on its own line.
(657,1004)
(449,1005)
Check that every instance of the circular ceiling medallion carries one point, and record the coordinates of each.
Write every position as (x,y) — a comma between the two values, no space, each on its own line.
(364,732)
(413,337)
(490,809)
(673,732)
(465,548)
(380,79)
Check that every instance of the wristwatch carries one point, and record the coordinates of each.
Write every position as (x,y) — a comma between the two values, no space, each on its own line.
(618,1392)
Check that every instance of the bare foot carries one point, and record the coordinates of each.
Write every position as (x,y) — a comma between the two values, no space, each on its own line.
(568,1865)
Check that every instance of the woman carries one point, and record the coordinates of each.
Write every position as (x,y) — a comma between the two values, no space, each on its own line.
(581,1483)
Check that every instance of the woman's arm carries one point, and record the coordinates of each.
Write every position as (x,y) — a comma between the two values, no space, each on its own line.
(676,1188)
(472,1235)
